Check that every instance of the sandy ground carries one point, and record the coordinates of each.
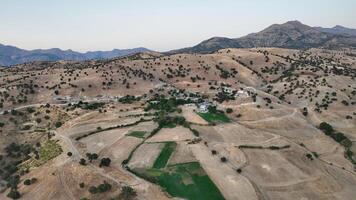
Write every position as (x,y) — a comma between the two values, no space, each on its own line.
(269,167)
(182,154)
(189,115)
(236,157)
(178,133)
(120,150)
(145,127)
(238,134)
(145,155)
(97,142)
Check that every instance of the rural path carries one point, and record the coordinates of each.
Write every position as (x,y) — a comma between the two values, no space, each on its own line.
(56,104)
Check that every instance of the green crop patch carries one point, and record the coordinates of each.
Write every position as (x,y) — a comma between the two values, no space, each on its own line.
(138,134)
(187,180)
(165,154)
(214,117)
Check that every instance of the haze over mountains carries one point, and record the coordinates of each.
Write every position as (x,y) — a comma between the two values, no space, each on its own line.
(10,55)
(292,34)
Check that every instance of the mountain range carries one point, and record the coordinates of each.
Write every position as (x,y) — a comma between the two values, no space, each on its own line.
(10,55)
(292,34)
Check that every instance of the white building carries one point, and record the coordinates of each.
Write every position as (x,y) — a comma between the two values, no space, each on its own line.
(204,107)
(242,94)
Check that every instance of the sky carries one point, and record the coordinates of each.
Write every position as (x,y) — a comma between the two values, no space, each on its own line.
(161,25)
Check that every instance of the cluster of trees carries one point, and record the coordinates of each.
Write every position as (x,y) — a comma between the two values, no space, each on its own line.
(104,162)
(127,193)
(88,106)
(128,99)
(104,187)
(340,138)
(30,181)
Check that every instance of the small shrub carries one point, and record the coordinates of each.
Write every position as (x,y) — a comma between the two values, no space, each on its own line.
(58,124)
(82,161)
(27,182)
(223,159)
(229,110)
(105,162)
(13,194)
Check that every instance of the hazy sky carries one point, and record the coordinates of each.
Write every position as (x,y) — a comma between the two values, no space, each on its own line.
(156,24)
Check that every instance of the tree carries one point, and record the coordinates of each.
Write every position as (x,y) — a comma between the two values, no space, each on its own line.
(38,120)
(309,156)
(33,180)
(105,162)
(327,128)
(93,189)
(127,193)
(92,156)
(82,161)
(104,187)
(58,124)
(14,194)
(69,154)
(27,182)
(229,110)
(223,159)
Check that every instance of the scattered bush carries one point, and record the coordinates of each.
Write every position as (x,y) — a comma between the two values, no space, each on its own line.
(58,124)
(229,110)
(13,194)
(223,159)
(127,193)
(82,161)
(105,162)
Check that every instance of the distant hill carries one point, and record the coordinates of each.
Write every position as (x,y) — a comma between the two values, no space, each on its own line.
(338,30)
(10,55)
(211,45)
(292,34)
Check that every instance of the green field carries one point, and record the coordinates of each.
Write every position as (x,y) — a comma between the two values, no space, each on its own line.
(187,180)
(138,134)
(214,117)
(165,154)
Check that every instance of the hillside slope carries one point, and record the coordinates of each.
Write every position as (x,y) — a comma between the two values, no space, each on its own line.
(292,34)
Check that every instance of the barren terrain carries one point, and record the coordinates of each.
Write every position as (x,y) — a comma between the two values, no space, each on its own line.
(279,124)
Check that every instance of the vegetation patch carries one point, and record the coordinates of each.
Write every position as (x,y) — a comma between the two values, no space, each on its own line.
(49,150)
(138,134)
(339,138)
(88,106)
(214,117)
(187,180)
(165,104)
(165,154)
(261,147)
